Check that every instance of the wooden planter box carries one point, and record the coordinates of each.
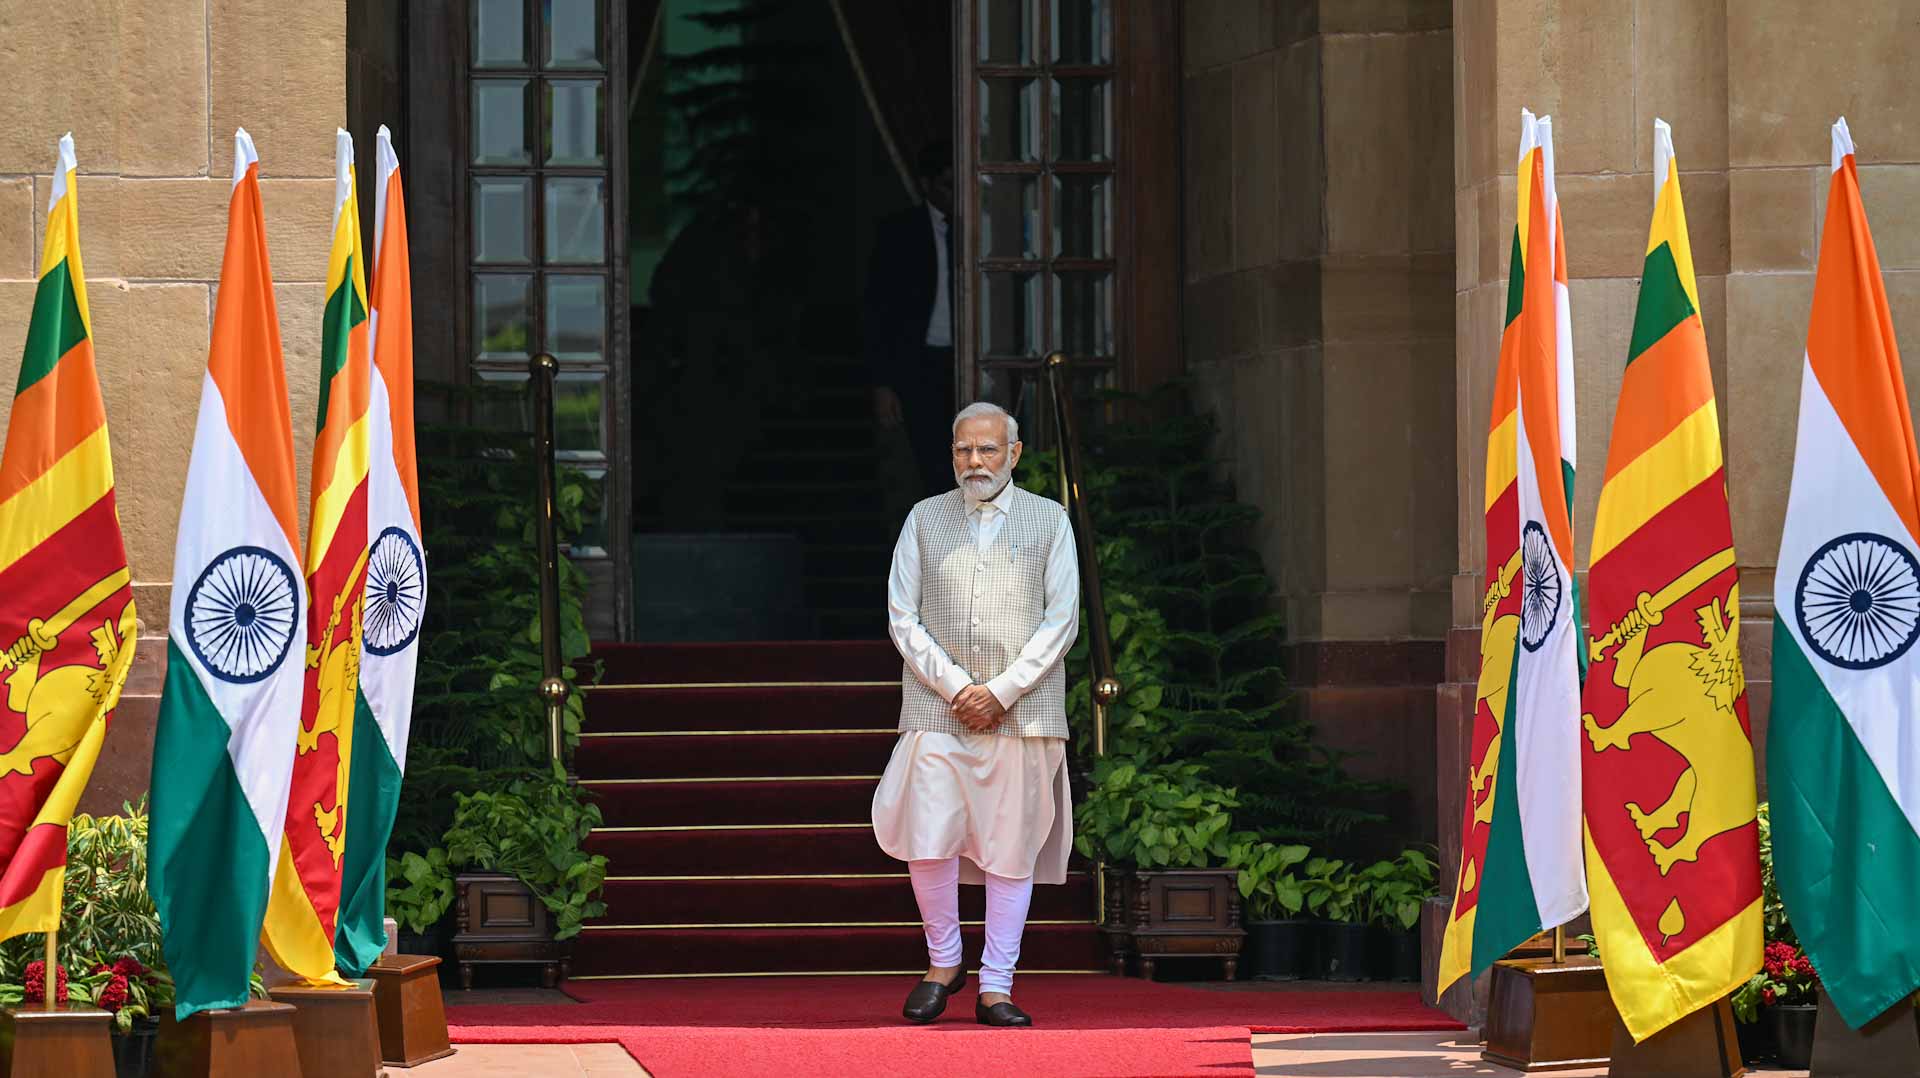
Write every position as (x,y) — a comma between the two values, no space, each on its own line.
(498,921)
(1175,913)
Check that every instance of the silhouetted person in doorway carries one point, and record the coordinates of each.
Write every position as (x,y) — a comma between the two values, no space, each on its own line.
(908,317)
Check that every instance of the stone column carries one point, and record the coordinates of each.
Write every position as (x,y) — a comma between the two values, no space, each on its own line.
(152,93)
(1318,256)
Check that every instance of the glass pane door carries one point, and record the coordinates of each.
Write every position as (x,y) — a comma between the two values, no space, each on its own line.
(1040,181)
(539,259)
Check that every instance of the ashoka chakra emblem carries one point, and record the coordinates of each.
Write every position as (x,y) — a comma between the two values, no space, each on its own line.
(1858,602)
(241,614)
(1540,586)
(396,592)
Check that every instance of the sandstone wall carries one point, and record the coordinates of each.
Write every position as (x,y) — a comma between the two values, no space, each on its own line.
(152,90)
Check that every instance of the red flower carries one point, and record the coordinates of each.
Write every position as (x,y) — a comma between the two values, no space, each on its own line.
(114,995)
(1766,996)
(130,967)
(34,983)
(1775,968)
(1803,966)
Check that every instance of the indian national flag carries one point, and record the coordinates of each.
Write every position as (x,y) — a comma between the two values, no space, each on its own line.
(1843,740)
(231,705)
(1520,865)
(396,589)
(1673,852)
(302,915)
(67,624)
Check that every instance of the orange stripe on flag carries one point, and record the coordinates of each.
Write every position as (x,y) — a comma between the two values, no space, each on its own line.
(1850,344)
(1663,386)
(1537,358)
(393,348)
(246,335)
(60,411)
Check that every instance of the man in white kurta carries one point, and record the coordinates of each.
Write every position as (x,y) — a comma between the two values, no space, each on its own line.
(983,603)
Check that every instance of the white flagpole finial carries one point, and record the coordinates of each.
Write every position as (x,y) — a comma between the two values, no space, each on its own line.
(1842,142)
(243,154)
(1662,155)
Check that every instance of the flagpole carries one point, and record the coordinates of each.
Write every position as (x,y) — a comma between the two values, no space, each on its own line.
(1559,945)
(52,971)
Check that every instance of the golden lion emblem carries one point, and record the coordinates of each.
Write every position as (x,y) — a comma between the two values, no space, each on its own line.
(1684,695)
(61,704)
(337,658)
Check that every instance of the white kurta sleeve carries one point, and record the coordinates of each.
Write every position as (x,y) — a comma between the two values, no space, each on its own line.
(924,655)
(1059,624)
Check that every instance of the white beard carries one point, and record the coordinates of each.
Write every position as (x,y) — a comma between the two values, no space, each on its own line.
(982,485)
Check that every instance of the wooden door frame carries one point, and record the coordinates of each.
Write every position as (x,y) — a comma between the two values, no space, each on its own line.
(436,135)
(1147,230)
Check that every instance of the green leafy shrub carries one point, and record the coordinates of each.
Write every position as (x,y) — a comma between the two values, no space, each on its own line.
(1391,892)
(1331,890)
(1266,881)
(1164,817)
(535,830)
(419,889)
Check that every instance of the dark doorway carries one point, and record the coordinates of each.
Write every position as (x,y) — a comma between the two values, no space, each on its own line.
(768,142)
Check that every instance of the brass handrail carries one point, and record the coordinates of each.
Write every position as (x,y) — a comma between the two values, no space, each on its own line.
(1106,686)
(553,687)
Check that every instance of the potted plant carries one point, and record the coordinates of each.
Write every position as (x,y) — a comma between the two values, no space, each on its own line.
(1280,943)
(1391,894)
(419,895)
(531,885)
(1333,893)
(1784,994)
(1164,833)
(110,930)
(1755,1032)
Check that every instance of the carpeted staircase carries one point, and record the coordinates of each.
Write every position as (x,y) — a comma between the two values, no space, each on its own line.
(736,782)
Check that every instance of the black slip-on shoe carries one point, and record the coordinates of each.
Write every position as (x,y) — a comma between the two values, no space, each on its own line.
(1000,1014)
(928,1000)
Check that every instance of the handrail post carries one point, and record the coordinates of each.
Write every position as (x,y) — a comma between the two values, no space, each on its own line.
(1106,687)
(553,687)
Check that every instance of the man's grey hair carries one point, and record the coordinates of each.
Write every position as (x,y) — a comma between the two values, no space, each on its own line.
(980,408)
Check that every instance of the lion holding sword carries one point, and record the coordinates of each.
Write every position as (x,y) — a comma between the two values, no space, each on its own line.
(1684,694)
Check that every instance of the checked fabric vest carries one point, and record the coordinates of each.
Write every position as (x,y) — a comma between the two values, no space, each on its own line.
(982,608)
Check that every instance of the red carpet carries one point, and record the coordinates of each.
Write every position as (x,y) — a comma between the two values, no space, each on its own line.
(736,785)
(1087,1026)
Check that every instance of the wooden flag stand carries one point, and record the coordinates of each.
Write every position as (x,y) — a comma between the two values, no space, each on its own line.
(413,1018)
(241,1042)
(1701,1045)
(334,1030)
(55,1040)
(1548,1014)
(1889,1044)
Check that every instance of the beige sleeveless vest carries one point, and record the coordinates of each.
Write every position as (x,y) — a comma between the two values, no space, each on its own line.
(983,608)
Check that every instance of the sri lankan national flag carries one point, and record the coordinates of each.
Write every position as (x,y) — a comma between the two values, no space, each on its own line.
(1672,847)
(66,610)
(1520,866)
(302,914)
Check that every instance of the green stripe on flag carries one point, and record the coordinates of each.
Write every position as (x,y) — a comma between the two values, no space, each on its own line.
(55,328)
(344,311)
(1663,301)
(206,857)
(1506,914)
(1845,857)
(1579,609)
(373,786)
(1516,282)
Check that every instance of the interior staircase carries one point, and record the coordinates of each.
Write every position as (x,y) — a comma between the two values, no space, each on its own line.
(736,782)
